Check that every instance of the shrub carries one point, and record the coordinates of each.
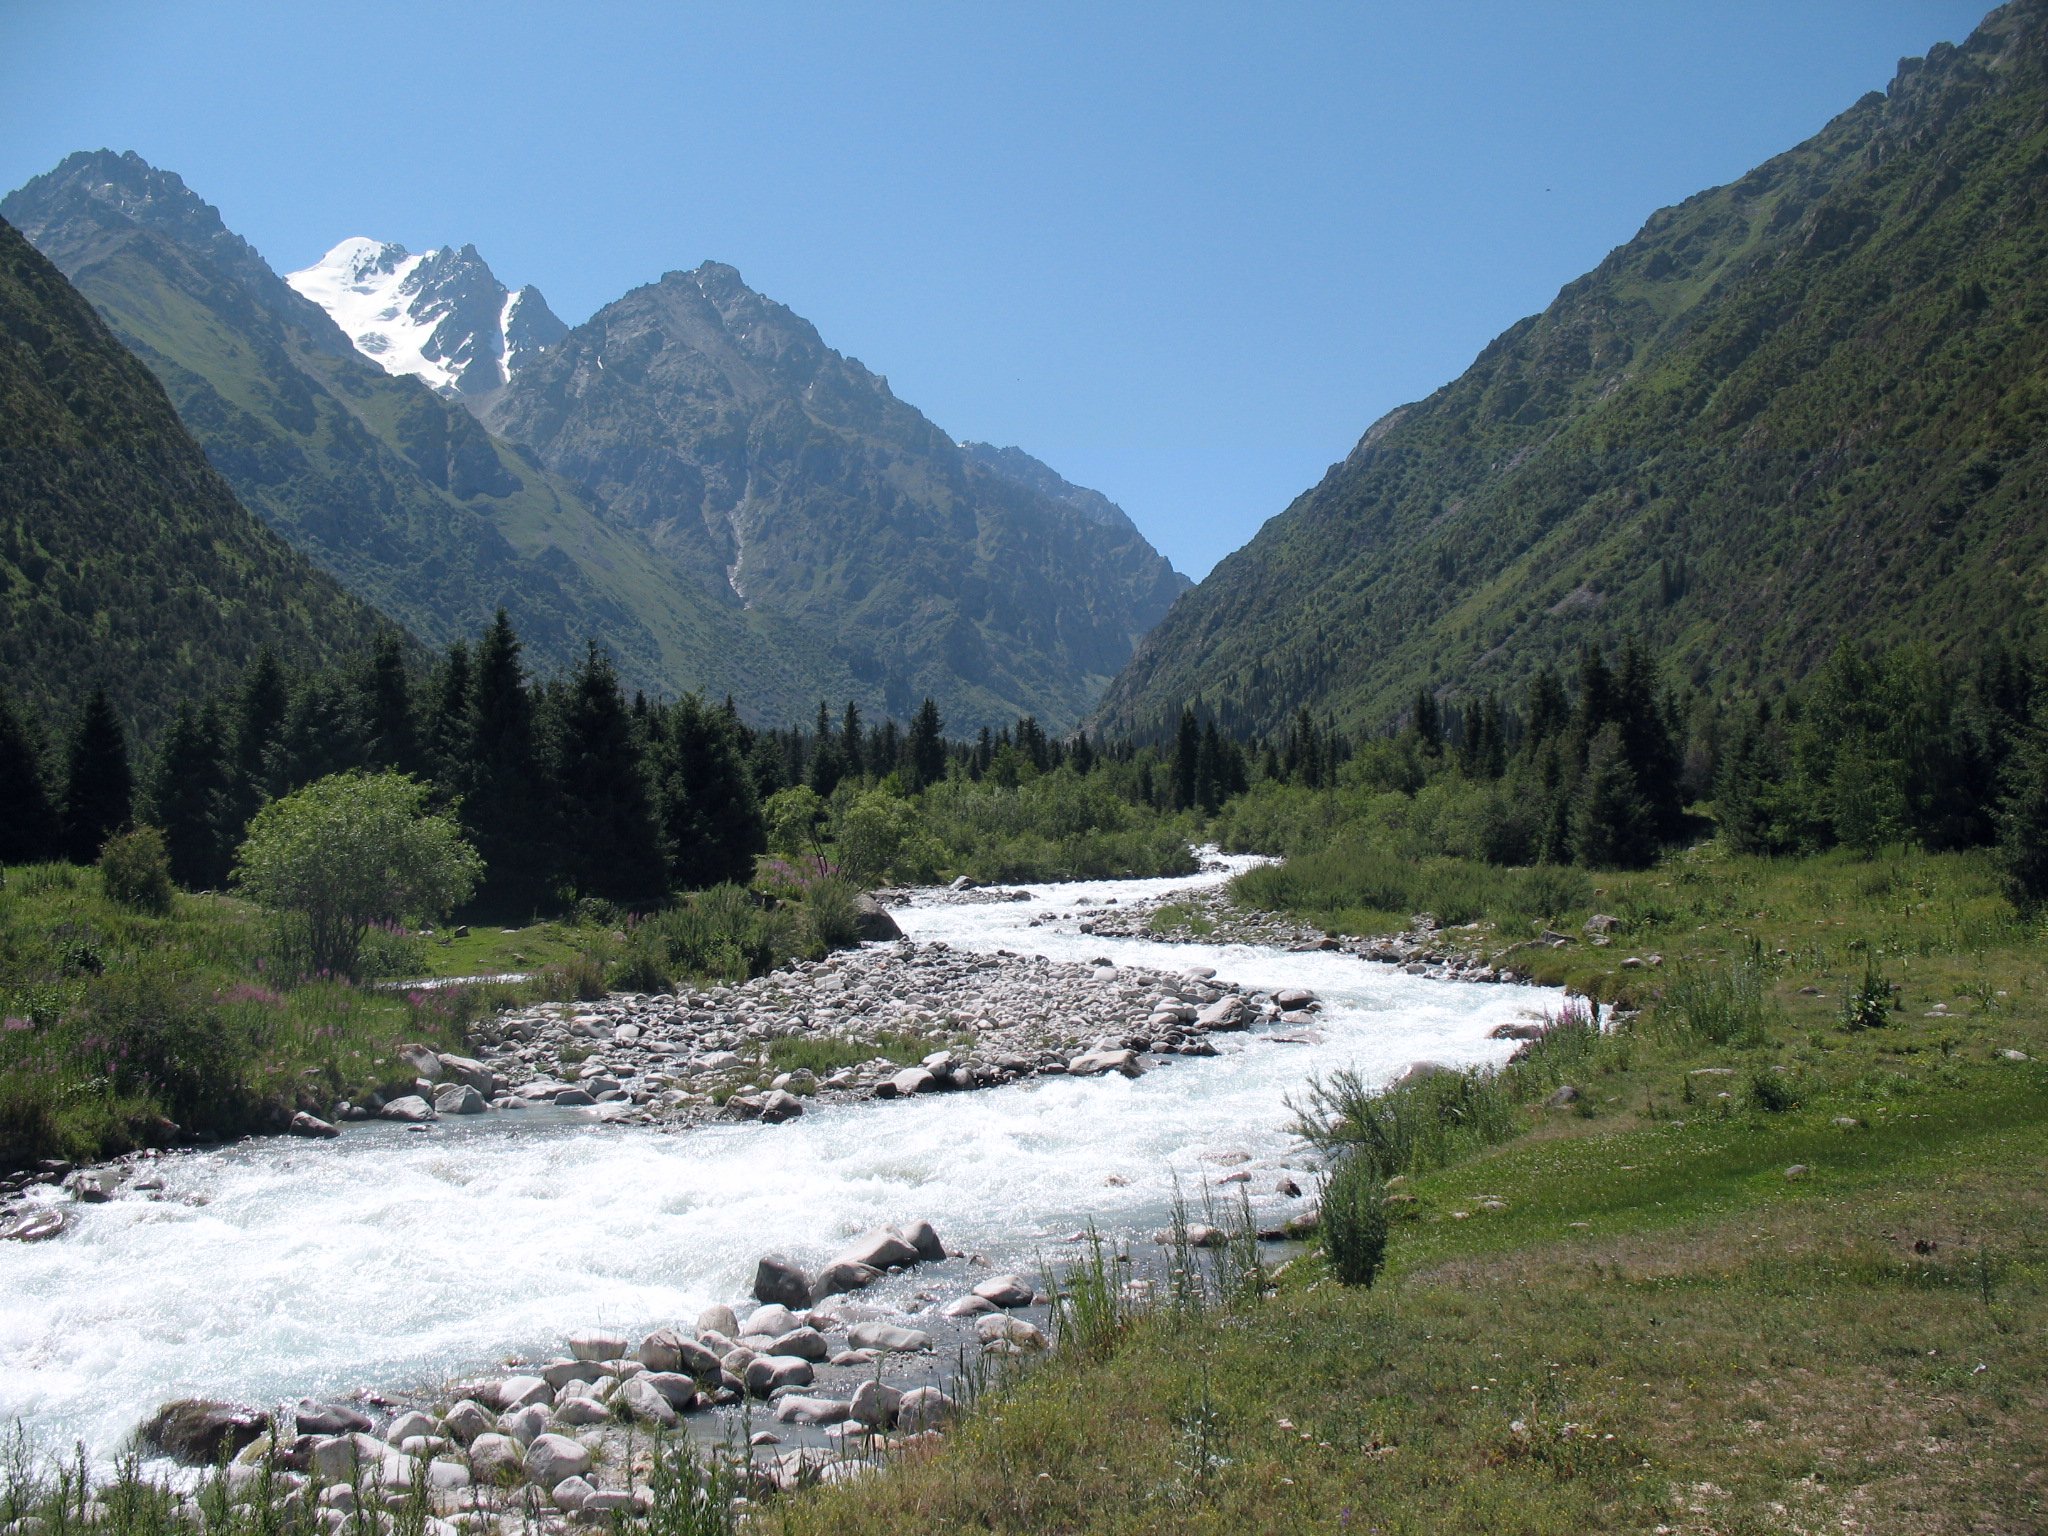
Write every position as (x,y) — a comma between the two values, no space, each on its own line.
(1425,1122)
(135,868)
(832,912)
(1354,1221)
(1773,1092)
(1869,1005)
(149,1031)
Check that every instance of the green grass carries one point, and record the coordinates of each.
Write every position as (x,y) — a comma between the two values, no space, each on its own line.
(1686,1336)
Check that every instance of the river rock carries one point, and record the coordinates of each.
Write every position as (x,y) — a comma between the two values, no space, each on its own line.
(680,1390)
(559,1374)
(579,1412)
(423,1061)
(594,1345)
(769,1322)
(1094,1063)
(889,1338)
(718,1319)
(311,1126)
(797,1409)
(804,1343)
(910,1080)
(317,1418)
(924,1237)
(466,1420)
(874,1404)
(332,1458)
(768,1373)
(923,1408)
(522,1392)
(458,1099)
(553,1458)
(843,1275)
(645,1402)
(1006,1291)
(408,1426)
(524,1425)
(1225,1013)
(1001,1328)
(465,1069)
(34,1226)
(1290,998)
(411,1108)
(199,1432)
(780,1282)
(572,1494)
(883,1248)
(493,1457)
(967,1306)
(872,923)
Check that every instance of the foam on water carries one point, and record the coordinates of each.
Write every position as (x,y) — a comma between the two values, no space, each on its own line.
(390,1258)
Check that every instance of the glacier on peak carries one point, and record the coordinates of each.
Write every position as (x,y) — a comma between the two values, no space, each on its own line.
(441,316)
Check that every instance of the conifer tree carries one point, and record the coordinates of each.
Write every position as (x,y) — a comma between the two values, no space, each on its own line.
(1209,771)
(190,795)
(927,746)
(1611,826)
(710,815)
(260,706)
(849,740)
(321,735)
(99,786)
(1187,749)
(448,723)
(609,844)
(390,732)
(503,807)
(29,825)
(2023,817)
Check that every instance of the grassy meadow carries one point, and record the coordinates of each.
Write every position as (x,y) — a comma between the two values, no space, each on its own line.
(1779,1266)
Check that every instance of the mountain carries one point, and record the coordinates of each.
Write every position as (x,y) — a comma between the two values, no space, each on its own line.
(377,478)
(692,476)
(443,317)
(718,423)
(125,559)
(1802,407)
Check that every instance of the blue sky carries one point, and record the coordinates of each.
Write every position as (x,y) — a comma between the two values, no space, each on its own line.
(1185,253)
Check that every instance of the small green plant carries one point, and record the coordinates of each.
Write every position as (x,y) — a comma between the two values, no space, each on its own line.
(1090,1311)
(1354,1221)
(135,868)
(1773,1092)
(1870,1004)
(1728,1005)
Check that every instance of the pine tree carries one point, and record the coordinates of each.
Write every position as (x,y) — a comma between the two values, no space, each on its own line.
(448,723)
(260,706)
(30,831)
(2023,817)
(1611,824)
(1427,720)
(710,817)
(1209,771)
(608,842)
(321,735)
(99,787)
(502,807)
(1187,749)
(849,740)
(191,791)
(927,746)
(389,731)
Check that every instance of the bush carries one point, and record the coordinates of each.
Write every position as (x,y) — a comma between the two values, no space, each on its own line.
(1354,1221)
(1773,1092)
(1425,1122)
(832,912)
(147,1030)
(135,868)
(1870,1004)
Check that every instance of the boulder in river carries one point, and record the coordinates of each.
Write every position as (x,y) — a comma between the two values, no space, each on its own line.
(553,1459)
(1006,1291)
(411,1108)
(874,1404)
(783,1283)
(199,1432)
(769,1322)
(646,1403)
(889,1338)
(883,1248)
(924,1237)
(1094,1063)
(923,1408)
(872,922)
(303,1124)
(843,1275)
(317,1418)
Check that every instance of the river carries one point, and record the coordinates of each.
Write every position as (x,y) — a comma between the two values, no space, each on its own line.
(391,1258)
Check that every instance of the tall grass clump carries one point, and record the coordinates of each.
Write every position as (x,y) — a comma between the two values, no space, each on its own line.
(1352,1205)
(1362,878)
(1427,1121)
(1091,1310)
(1722,1005)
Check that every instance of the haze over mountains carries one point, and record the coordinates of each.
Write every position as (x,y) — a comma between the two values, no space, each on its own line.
(1803,407)
(692,477)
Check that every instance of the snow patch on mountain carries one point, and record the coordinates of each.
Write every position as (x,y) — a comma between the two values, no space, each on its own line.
(441,316)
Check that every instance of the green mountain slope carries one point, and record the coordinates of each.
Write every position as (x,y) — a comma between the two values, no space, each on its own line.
(398,492)
(125,559)
(1804,406)
(789,477)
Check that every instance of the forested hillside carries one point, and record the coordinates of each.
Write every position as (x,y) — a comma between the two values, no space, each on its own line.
(1802,407)
(125,560)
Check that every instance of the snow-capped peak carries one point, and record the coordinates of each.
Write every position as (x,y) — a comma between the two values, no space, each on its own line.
(442,315)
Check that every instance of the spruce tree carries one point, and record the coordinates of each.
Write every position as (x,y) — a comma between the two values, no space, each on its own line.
(260,705)
(710,816)
(927,746)
(1209,771)
(849,740)
(99,786)
(609,844)
(1611,823)
(390,732)
(321,735)
(448,723)
(2023,817)
(190,794)
(29,826)
(503,806)
(1187,750)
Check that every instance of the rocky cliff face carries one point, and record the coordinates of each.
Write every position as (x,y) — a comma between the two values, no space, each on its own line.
(720,424)
(1794,409)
